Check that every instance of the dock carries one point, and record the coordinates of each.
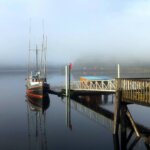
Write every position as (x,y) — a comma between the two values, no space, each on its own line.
(108,86)
(126,90)
(135,90)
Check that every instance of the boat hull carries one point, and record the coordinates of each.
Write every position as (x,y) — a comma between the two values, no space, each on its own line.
(38,92)
(37,104)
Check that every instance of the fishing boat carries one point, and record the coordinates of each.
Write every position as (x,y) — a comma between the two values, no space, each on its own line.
(36,82)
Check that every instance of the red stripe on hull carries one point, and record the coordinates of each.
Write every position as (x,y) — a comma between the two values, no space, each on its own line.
(35,88)
(32,95)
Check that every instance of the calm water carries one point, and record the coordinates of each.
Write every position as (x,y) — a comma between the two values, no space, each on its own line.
(61,126)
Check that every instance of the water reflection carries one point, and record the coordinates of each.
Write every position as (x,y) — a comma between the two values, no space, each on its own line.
(95,100)
(124,142)
(68,113)
(36,114)
(125,139)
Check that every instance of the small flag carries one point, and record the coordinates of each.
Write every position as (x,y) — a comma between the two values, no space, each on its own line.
(70,66)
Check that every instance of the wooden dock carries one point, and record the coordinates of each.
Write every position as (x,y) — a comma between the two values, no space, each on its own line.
(135,91)
(126,90)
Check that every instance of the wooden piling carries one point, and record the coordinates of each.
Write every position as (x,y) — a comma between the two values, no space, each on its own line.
(118,98)
(116,142)
(123,127)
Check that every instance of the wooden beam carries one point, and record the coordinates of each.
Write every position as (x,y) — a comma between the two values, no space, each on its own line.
(132,123)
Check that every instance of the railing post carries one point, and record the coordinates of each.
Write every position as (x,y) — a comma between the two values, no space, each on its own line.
(96,85)
(102,84)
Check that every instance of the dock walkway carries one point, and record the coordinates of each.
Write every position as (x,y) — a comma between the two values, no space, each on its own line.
(99,86)
(134,90)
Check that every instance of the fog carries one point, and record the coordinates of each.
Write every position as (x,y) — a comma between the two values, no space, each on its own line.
(80,30)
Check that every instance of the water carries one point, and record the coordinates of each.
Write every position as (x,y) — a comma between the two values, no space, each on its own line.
(59,127)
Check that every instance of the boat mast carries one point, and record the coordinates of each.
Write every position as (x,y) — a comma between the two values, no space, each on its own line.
(45,71)
(36,58)
(43,56)
(44,47)
(29,47)
(42,62)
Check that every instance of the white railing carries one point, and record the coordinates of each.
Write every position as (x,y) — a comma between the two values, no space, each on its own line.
(102,85)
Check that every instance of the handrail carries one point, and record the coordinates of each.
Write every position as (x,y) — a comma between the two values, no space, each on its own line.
(102,85)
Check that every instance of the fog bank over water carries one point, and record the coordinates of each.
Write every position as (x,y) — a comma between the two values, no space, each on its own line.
(92,59)
(111,60)
(112,30)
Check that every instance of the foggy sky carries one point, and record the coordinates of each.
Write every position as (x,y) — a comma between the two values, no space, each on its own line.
(103,28)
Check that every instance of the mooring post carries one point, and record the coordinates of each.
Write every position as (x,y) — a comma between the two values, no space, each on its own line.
(123,126)
(66,79)
(69,79)
(118,70)
(68,111)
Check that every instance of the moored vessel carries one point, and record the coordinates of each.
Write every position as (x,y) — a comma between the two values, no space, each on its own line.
(36,81)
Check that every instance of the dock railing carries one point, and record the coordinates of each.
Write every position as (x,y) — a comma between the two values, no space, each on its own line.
(103,85)
(135,90)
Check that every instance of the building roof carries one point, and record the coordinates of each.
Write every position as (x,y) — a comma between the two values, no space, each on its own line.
(96,77)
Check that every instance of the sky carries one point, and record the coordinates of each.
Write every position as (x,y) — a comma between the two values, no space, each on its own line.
(75,29)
